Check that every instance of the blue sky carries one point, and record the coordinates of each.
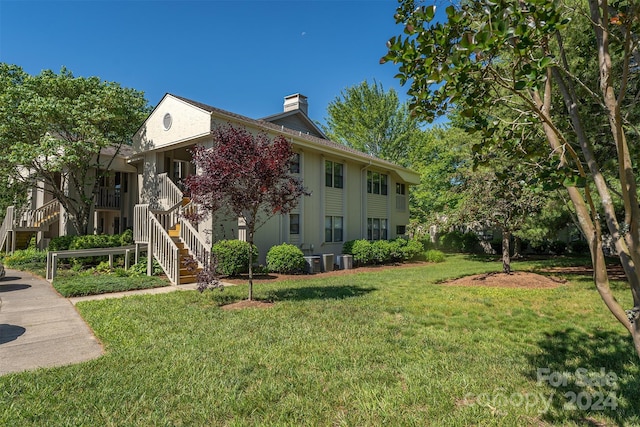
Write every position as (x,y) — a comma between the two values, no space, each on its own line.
(242,56)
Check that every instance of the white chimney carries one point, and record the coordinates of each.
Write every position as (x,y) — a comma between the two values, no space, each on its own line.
(296,102)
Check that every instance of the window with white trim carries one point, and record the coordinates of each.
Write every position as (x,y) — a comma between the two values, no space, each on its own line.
(333,173)
(333,229)
(294,164)
(294,223)
(377,229)
(377,183)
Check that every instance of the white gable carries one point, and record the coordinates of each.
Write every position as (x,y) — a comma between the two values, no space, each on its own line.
(171,122)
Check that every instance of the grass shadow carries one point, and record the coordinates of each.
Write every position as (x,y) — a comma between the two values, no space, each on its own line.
(318,292)
(588,375)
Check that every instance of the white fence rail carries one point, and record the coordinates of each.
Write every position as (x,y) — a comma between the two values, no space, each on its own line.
(54,256)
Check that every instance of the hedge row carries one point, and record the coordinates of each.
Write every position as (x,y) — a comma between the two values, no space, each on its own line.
(382,251)
(90,241)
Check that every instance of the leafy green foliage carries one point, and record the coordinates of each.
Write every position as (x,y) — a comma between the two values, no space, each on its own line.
(57,126)
(91,241)
(60,243)
(579,247)
(440,155)
(380,251)
(383,251)
(367,118)
(552,84)
(434,255)
(285,259)
(459,242)
(233,256)
(362,252)
(26,259)
(140,268)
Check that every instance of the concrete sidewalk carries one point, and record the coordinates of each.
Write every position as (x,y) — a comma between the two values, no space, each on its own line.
(40,328)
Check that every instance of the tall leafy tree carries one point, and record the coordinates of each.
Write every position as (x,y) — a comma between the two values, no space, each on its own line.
(440,155)
(500,196)
(245,175)
(55,130)
(372,120)
(518,55)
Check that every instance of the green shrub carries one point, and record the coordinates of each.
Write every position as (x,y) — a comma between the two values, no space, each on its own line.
(25,259)
(456,241)
(540,247)
(140,269)
(60,243)
(347,247)
(91,241)
(362,252)
(413,249)
(434,255)
(380,251)
(285,259)
(397,252)
(558,247)
(233,256)
(579,247)
(126,238)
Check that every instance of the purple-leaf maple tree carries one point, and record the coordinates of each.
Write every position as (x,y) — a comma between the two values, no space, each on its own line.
(246,175)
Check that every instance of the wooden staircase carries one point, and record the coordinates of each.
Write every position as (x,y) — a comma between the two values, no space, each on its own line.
(186,275)
(23,238)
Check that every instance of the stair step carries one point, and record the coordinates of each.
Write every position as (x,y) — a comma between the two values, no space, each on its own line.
(188,279)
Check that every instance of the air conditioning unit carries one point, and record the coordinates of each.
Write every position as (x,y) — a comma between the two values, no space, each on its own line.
(313,264)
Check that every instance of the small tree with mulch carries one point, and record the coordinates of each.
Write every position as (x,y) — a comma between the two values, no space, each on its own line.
(245,175)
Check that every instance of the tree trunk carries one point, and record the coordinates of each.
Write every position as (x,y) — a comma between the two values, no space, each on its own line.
(250,267)
(506,257)
(517,247)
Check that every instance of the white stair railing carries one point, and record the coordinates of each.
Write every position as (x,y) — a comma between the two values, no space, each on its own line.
(164,250)
(7,226)
(198,248)
(141,223)
(168,192)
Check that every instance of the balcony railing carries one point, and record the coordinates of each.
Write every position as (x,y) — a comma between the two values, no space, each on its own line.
(108,198)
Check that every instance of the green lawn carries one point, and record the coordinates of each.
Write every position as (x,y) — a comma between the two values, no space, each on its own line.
(387,348)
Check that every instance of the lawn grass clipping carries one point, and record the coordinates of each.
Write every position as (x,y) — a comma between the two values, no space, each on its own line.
(384,348)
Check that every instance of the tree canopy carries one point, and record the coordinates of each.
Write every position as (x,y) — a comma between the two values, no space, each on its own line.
(372,120)
(54,127)
(567,71)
